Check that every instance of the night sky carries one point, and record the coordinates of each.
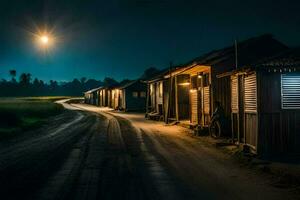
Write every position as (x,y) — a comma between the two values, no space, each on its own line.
(121,38)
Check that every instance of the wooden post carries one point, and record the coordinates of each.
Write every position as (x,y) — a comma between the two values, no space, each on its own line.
(202,103)
(169,96)
(176,99)
(147,100)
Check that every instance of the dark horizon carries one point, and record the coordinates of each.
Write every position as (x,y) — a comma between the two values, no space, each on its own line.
(118,39)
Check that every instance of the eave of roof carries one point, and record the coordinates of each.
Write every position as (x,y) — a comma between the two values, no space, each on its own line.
(93,90)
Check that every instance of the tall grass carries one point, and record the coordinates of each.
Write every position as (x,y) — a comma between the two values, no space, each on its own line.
(19,114)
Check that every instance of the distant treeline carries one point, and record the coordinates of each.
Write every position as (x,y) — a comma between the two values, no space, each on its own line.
(25,85)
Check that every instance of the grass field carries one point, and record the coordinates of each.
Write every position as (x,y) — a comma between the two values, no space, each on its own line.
(21,114)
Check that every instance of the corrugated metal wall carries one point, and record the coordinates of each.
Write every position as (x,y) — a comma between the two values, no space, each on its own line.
(279,128)
(194,106)
(234,94)
(250,97)
(250,107)
(290,88)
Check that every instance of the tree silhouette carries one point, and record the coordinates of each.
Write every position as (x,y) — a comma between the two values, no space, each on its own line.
(53,84)
(109,82)
(83,80)
(125,81)
(25,79)
(76,87)
(13,74)
(36,83)
(150,72)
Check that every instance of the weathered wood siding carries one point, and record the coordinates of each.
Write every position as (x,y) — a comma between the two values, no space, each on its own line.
(183,97)
(152,97)
(122,102)
(168,99)
(132,103)
(166,84)
(159,97)
(109,98)
(221,91)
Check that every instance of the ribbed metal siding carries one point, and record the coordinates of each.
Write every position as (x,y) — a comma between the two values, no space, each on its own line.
(234,94)
(250,93)
(194,106)
(290,91)
(206,97)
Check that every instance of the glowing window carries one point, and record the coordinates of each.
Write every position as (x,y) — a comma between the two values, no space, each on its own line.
(135,94)
(143,94)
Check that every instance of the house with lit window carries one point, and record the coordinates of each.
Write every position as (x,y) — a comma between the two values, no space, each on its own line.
(92,96)
(105,96)
(130,97)
(265,101)
(194,88)
(156,95)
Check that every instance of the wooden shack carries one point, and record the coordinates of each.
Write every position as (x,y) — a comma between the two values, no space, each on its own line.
(202,82)
(105,97)
(266,105)
(115,98)
(92,96)
(131,96)
(176,96)
(155,104)
(192,91)
(87,97)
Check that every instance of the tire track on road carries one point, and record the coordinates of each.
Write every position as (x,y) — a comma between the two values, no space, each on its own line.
(130,170)
(34,160)
(77,177)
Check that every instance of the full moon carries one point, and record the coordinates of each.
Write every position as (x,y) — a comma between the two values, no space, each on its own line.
(44,39)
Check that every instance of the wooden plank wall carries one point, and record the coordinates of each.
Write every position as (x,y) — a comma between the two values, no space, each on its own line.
(221,91)
(234,121)
(250,129)
(166,89)
(131,103)
(183,97)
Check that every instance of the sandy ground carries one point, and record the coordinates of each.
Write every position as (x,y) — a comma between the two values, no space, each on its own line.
(96,153)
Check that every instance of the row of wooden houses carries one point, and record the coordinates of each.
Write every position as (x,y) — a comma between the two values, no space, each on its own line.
(256,82)
(128,97)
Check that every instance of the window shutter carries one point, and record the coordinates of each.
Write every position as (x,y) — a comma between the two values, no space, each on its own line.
(194,105)
(250,93)
(290,91)
(234,94)
(206,99)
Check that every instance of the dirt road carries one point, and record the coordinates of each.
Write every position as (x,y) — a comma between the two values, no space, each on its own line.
(93,153)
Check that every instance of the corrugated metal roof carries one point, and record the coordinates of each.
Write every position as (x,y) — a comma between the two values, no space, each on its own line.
(163,73)
(249,51)
(289,58)
(93,90)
